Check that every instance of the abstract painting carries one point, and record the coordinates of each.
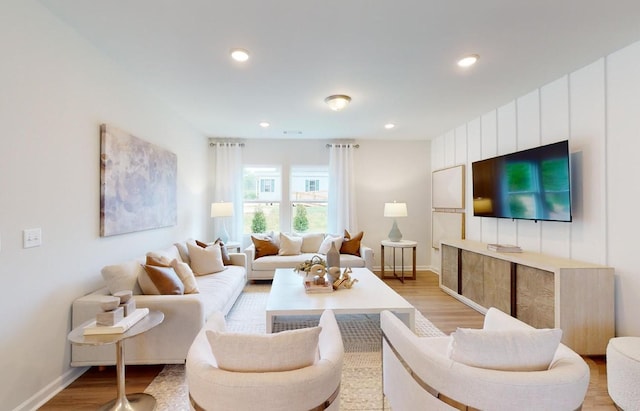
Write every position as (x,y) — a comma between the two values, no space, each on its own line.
(137,184)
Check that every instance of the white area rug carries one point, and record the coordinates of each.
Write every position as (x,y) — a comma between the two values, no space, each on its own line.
(361,387)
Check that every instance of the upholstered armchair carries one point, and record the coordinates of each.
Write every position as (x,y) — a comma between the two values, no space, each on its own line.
(420,374)
(296,370)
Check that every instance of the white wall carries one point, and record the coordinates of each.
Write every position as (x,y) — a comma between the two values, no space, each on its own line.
(56,90)
(597,108)
(385,171)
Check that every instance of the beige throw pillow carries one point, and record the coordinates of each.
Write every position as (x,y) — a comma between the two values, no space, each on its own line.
(205,260)
(326,244)
(283,351)
(311,242)
(290,245)
(506,350)
(122,277)
(186,276)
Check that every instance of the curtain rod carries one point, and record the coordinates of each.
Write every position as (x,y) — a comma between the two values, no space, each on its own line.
(343,145)
(213,144)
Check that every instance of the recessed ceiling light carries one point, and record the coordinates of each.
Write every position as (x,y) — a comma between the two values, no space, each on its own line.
(468,61)
(239,55)
(264,124)
(389,126)
(337,102)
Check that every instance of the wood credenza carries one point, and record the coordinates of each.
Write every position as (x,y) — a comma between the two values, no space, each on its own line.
(541,290)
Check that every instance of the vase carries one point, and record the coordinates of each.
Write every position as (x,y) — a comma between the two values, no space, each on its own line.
(333,256)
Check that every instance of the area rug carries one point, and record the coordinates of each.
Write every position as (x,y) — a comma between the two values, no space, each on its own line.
(361,387)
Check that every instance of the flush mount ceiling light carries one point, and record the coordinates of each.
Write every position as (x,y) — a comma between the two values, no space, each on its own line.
(337,102)
(240,55)
(389,126)
(264,124)
(468,61)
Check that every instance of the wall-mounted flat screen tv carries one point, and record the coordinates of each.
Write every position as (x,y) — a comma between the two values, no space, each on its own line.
(532,184)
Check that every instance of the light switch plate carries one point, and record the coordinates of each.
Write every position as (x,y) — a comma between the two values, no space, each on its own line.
(31,237)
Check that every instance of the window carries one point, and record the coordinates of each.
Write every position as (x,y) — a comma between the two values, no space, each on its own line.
(262,197)
(309,194)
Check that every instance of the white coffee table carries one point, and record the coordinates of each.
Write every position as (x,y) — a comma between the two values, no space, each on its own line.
(370,295)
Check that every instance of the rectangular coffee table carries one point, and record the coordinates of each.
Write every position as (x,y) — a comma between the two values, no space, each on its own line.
(370,295)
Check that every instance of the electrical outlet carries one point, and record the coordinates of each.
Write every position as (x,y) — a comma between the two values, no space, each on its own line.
(31,237)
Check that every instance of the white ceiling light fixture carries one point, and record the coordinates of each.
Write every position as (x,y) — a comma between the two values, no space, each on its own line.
(389,126)
(264,124)
(240,55)
(468,61)
(337,102)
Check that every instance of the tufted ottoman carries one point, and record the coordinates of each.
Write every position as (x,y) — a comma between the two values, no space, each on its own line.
(623,372)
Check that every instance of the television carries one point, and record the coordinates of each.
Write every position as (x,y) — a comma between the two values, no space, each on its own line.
(533,184)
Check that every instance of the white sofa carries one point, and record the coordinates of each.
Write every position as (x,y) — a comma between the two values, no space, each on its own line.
(311,387)
(418,374)
(184,315)
(263,268)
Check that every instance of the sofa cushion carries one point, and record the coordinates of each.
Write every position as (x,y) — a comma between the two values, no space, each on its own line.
(351,244)
(205,260)
(311,242)
(264,246)
(283,351)
(326,243)
(507,350)
(289,244)
(122,277)
(163,280)
(216,290)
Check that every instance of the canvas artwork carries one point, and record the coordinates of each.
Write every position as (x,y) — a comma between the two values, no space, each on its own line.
(138,184)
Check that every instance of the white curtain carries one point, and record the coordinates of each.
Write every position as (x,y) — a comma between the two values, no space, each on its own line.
(227,186)
(342,196)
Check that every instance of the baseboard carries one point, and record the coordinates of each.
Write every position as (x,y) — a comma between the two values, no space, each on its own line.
(41,397)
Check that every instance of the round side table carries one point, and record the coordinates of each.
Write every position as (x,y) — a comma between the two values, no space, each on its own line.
(402,244)
(139,401)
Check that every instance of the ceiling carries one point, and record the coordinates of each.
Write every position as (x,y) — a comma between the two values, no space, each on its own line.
(395,58)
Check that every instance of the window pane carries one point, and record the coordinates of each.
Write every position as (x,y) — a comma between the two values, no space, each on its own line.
(262,184)
(309,184)
(261,217)
(309,218)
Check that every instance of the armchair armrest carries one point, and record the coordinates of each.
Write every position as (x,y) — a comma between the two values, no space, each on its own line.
(250,252)
(367,255)
(239,259)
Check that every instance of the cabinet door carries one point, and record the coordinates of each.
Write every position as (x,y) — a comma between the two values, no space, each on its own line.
(535,296)
(472,276)
(497,284)
(449,267)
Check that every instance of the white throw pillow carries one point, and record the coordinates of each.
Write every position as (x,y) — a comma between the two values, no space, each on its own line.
(122,277)
(326,244)
(289,245)
(205,260)
(186,276)
(506,350)
(311,242)
(283,351)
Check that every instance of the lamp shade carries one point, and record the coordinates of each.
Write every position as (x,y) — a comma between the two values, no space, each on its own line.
(221,209)
(395,209)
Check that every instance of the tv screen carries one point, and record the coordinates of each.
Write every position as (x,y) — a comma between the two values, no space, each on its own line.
(532,184)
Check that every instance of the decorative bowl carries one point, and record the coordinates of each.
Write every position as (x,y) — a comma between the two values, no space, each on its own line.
(110,303)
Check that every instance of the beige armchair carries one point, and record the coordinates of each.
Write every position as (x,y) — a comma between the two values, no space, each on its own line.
(313,387)
(418,374)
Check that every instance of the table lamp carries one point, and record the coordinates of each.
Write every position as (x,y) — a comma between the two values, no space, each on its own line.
(222,209)
(395,210)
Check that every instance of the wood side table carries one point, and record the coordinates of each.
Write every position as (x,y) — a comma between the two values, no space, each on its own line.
(401,245)
(139,401)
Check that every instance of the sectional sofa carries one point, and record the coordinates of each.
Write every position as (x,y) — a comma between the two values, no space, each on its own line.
(184,314)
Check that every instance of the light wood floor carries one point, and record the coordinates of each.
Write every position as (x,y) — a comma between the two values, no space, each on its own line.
(97,386)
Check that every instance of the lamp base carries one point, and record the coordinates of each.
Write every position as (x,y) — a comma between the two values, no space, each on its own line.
(224,235)
(395,234)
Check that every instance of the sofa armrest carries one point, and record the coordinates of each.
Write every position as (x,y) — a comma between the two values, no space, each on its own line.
(367,255)
(239,259)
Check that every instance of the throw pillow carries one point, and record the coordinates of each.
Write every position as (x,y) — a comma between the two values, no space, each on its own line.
(205,260)
(122,277)
(311,242)
(264,247)
(351,244)
(226,260)
(283,351)
(157,260)
(289,245)
(506,350)
(326,244)
(186,276)
(183,251)
(165,280)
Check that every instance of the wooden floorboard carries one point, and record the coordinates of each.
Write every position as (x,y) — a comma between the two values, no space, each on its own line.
(97,386)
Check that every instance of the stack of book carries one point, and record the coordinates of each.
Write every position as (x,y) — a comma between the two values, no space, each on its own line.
(119,327)
(504,248)
(312,288)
